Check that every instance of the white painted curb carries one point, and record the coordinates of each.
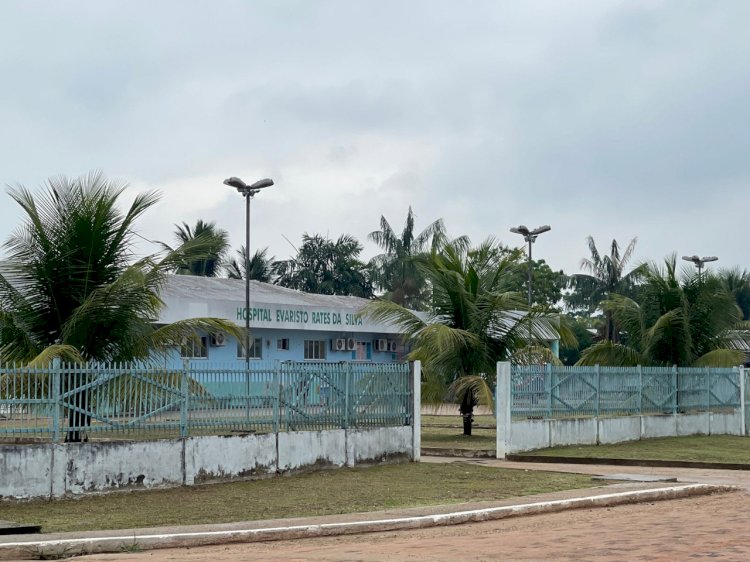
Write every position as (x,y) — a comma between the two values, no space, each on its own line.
(88,545)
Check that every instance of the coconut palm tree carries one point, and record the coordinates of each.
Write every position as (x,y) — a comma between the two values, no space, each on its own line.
(475,321)
(207,260)
(604,276)
(394,271)
(677,320)
(260,267)
(71,288)
(737,282)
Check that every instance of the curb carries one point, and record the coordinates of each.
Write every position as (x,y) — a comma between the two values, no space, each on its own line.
(90,545)
(465,453)
(627,462)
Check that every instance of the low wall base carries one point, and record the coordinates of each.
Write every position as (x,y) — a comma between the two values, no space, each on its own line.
(56,470)
(528,435)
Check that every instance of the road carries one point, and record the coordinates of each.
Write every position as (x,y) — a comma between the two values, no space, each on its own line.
(716,527)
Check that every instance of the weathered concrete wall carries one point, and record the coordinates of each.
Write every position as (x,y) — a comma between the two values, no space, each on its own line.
(726,424)
(215,457)
(692,424)
(377,444)
(658,426)
(49,470)
(576,431)
(618,430)
(25,470)
(304,448)
(107,465)
(527,435)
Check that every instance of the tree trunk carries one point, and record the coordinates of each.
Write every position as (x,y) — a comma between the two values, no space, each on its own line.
(467,411)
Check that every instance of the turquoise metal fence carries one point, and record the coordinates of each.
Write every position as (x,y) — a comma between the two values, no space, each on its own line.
(75,402)
(551,391)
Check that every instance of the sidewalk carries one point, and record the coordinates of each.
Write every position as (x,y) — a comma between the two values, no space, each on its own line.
(32,546)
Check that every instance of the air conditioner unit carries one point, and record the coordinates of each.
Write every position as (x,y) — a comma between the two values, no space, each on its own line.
(392,345)
(219,339)
(351,344)
(339,344)
(381,344)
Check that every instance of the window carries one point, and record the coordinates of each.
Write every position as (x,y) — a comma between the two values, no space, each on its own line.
(256,349)
(362,353)
(315,349)
(282,344)
(194,348)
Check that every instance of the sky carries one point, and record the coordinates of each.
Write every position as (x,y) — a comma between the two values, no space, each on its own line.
(610,119)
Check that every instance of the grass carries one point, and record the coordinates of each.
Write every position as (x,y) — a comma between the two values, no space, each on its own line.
(701,448)
(322,493)
(447,432)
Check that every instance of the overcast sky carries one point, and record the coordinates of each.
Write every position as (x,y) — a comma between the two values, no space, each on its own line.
(603,118)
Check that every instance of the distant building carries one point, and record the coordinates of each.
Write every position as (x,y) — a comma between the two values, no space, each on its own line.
(285,324)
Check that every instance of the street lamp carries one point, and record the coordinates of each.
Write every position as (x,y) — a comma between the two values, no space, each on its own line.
(699,262)
(530,236)
(248,192)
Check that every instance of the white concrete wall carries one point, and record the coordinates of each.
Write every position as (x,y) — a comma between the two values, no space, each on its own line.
(215,457)
(518,436)
(50,470)
(575,431)
(618,430)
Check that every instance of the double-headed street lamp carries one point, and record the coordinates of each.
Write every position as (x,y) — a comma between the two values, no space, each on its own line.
(248,192)
(530,236)
(699,262)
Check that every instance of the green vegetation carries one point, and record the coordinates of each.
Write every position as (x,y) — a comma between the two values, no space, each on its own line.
(702,448)
(686,320)
(321,493)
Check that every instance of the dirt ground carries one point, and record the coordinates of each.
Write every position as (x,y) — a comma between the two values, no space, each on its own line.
(716,527)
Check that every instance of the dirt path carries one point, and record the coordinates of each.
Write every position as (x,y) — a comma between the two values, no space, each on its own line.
(712,526)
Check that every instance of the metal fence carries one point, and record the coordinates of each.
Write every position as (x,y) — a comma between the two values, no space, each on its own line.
(551,391)
(75,402)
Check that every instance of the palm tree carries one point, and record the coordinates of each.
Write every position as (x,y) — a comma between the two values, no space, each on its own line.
(394,271)
(71,289)
(688,321)
(737,282)
(604,276)
(476,321)
(215,243)
(326,267)
(261,266)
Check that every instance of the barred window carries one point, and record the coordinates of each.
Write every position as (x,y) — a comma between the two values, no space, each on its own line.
(315,349)
(256,349)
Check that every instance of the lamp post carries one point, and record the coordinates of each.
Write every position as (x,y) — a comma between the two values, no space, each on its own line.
(699,262)
(248,192)
(530,236)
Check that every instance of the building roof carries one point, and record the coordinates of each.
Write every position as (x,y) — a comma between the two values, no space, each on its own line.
(215,288)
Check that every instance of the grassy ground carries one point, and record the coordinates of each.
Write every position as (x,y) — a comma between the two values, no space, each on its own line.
(322,493)
(447,432)
(704,448)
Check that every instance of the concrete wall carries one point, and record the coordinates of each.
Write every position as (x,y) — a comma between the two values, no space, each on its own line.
(527,435)
(50,470)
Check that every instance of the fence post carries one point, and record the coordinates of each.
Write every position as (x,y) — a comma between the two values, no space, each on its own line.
(185,394)
(743,410)
(276,389)
(347,373)
(416,419)
(550,387)
(675,390)
(503,405)
(708,394)
(640,390)
(598,388)
(56,402)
